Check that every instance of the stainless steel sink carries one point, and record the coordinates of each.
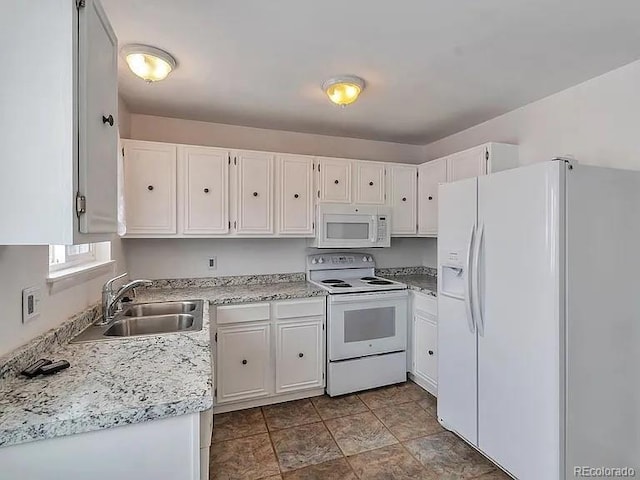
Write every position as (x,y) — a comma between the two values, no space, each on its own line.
(145,319)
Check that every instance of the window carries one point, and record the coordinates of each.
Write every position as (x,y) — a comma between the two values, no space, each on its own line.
(62,257)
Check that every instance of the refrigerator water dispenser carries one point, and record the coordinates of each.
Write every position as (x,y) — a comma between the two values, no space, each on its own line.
(453,282)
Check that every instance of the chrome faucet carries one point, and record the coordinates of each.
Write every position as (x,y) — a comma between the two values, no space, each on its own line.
(111,300)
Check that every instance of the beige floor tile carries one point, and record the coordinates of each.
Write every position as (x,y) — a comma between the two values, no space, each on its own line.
(409,391)
(447,457)
(388,463)
(337,469)
(430,404)
(304,445)
(358,433)
(243,423)
(274,477)
(497,474)
(335,407)
(248,458)
(290,414)
(382,397)
(408,420)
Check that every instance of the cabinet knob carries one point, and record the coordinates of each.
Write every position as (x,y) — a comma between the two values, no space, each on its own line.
(150,187)
(244,362)
(404,199)
(255,194)
(336,181)
(301,355)
(206,190)
(430,197)
(430,352)
(371,184)
(108,120)
(296,195)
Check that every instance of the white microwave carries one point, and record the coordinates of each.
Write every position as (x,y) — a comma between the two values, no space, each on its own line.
(352,226)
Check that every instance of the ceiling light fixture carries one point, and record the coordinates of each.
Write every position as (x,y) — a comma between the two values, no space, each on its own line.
(343,90)
(149,63)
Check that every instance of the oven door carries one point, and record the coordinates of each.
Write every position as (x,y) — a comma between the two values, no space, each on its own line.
(347,230)
(364,324)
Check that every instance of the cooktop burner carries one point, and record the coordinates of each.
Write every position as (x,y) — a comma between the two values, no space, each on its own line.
(380,282)
(332,280)
(368,278)
(341,285)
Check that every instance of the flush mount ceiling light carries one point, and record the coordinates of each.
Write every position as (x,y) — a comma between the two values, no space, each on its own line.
(343,90)
(149,63)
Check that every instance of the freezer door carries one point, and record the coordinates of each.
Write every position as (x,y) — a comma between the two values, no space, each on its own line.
(517,286)
(457,373)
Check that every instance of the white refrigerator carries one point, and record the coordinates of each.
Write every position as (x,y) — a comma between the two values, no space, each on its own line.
(539,317)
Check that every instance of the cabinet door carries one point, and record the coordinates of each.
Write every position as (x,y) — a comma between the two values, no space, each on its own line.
(97,120)
(425,342)
(150,187)
(430,175)
(295,195)
(403,185)
(254,192)
(299,355)
(335,180)
(243,365)
(369,184)
(205,180)
(468,164)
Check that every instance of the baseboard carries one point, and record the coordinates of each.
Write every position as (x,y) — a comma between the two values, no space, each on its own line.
(260,402)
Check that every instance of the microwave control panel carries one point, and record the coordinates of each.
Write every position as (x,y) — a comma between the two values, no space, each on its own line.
(382,228)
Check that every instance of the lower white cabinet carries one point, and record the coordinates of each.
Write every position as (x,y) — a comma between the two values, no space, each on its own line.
(424,341)
(269,352)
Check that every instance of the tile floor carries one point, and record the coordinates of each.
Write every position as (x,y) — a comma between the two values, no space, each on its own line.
(390,433)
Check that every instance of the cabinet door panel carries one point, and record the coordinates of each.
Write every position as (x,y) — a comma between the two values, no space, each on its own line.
(402,197)
(431,174)
(425,347)
(243,362)
(335,180)
(97,120)
(468,164)
(254,192)
(299,355)
(369,183)
(295,193)
(150,187)
(205,192)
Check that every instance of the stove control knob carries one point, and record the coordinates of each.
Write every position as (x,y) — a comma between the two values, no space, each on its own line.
(364,259)
(371,259)
(321,260)
(314,261)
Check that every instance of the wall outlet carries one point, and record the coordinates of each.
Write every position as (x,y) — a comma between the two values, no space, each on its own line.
(31,298)
(212,263)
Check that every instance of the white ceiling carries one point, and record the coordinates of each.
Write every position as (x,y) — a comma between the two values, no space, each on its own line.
(432,67)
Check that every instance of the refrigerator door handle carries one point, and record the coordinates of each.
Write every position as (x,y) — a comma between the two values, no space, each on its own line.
(468,282)
(475,282)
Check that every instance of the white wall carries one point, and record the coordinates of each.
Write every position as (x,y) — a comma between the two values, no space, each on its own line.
(597,122)
(162,129)
(182,258)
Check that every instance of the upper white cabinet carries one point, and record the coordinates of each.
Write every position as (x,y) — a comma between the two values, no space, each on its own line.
(402,197)
(295,195)
(58,123)
(205,192)
(254,193)
(334,184)
(430,175)
(369,182)
(150,187)
(481,160)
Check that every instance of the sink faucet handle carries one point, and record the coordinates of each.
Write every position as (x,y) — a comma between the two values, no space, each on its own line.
(108,286)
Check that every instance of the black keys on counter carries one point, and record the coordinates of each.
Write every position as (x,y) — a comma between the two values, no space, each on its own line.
(44,366)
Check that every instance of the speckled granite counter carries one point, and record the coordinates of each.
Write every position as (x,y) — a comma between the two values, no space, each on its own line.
(426,284)
(129,381)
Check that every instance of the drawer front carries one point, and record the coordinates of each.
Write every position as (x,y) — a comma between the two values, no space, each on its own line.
(250,312)
(426,304)
(312,307)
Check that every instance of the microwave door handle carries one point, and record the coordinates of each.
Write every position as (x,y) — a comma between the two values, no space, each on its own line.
(374,229)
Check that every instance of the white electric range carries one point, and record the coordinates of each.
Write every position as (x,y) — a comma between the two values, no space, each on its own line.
(366,322)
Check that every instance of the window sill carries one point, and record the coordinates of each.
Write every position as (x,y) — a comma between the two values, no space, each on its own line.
(69,277)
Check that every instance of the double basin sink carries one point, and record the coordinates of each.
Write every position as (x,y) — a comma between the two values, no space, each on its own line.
(143,319)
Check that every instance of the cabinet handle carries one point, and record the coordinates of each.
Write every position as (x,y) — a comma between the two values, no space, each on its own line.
(430,352)
(206,190)
(371,184)
(296,195)
(108,120)
(404,199)
(430,197)
(244,362)
(301,355)
(336,181)
(150,187)
(255,194)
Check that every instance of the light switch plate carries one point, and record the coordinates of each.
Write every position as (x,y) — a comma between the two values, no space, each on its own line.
(31,298)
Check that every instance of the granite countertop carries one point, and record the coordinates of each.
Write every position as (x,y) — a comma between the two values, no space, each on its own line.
(426,284)
(114,383)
